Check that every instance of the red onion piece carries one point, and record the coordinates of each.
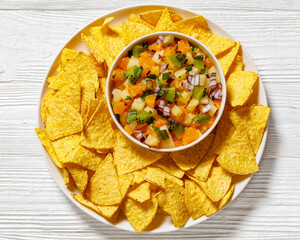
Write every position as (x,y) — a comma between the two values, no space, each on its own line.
(159,41)
(212,80)
(147,73)
(191,87)
(187,86)
(161,38)
(160,56)
(218,94)
(170,80)
(164,67)
(160,112)
(196,80)
(206,108)
(141,137)
(162,103)
(166,111)
(178,51)
(190,79)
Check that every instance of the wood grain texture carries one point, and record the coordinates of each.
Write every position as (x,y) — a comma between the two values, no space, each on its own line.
(33,207)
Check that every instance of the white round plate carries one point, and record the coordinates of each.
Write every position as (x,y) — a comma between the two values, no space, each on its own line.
(161,223)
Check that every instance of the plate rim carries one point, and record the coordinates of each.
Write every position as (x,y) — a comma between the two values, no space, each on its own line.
(40,124)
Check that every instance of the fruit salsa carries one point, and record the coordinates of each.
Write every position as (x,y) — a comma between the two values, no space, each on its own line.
(166,93)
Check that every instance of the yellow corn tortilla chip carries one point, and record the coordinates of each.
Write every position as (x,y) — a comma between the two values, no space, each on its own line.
(184,26)
(99,67)
(80,177)
(112,37)
(134,18)
(226,199)
(48,146)
(138,177)
(203,168)
(94,47)
(152,17)
(92,106)
(239,87)
(66,55)
(103,87)
(225,130)
(189,158)
(165,23)
(140,193)
(133,31)
(175,203)
(63,146)
(71,94)
(108,211)
(64,78)
(85,202)
(194,198)
(166,163)
(85,158)
(67,177)
(62,119)
(104,185)
(125,182)
(140,215)
(129,157)
(238,156)
(236,66)
(217,184)
(157,176)
(226,59)
(98,133)
(254,118)
(215,43)
(44,111)
(161,202)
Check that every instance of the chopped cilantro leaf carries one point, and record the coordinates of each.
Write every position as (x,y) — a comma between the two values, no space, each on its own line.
(189,68)
(129,54)
(178,94)
(114,75)
(201,120)
(128,98)
(145,45)
(146,93)
(131,116)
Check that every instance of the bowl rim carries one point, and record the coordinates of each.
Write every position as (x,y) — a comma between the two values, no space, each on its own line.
(194,42)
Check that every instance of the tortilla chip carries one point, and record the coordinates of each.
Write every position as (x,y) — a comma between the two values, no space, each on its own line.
(175,203)
(133,31)
(226,59)
(184,26)
(203,168)
(140,193)
(140,215)
(85,158)
(62,119)
(238,156)
(71,94)
(129,157)
(236,66)
(138,177)
(125,182)
(225,130)
(99,67)
(94,47)
(226,199)
(80,177)
(48,146)
(157,176)
(152,17)
(112,37)
(161,202)
(135,19)
(44,111)
(108,211)
(85,202)
(194,198)
(215,43)
(67,177)
(104,185)
(165,23)
(63,79)
(98,133)
(63,146)
(103,87)
(92,107)
(166,163)
(239,87)
(217,184)
(66,55)
(189,158)
(255,119)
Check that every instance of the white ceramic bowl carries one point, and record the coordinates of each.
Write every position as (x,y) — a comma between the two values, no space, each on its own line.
(153,37)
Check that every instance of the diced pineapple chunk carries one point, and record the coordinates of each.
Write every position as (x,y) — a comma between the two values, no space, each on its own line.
(213,107)
(185,97)
(194,71)
(181,73)
(151,141)
(123,118)
(202,79)
(168,40)
(192,105)
(203,100)
(156,57)
(138,104)
(168,143)
(155,70)
(125,94)
(117,94)
(214,70)
(176,111)
(153,111)
(134,61)
(190,58)
(187,120)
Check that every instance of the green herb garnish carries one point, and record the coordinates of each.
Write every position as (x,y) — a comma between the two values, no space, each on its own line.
(189,68)
(131,116)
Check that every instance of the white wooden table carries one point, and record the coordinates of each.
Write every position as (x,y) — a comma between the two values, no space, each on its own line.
(31,204)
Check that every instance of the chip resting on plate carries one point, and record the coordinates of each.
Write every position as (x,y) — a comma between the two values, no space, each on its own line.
(238,157)
(152,17)
(184,26)
(135,19)
(166,163)
(239,87)
(165,23)
(133,31)
(140,193)
(80,177)
(254,118)
(226,59)
(64,146)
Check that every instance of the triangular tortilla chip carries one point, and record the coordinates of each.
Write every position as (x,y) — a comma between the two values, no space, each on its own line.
(129,156)
(62,119)
(238,156)
(125,182)
(104,185)
(152,17)
(134,18)
(184,26)
(236,66)
(94,47)
(239,87)
(254,118)
(166,163)
(44,111)
(112,37)
(189,158)
(63,146)
(133,31)
(140,193)
(226,59)
(80,177)
(165,23)
(66,55)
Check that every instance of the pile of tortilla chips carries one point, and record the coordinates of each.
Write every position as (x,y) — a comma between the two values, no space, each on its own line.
(108,172)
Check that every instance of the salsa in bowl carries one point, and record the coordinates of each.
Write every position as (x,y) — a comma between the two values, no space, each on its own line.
(166,91)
